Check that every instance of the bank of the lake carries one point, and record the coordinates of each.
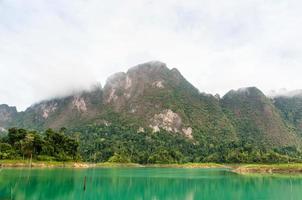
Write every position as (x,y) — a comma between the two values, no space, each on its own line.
(290,168)
(57,164)
(41,164)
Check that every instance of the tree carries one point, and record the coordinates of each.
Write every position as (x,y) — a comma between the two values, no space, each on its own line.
(6,151)
(15,135)
(27,145)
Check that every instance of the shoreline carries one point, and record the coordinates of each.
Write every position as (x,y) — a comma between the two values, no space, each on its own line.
(242,169)
(79,165)
(289,168)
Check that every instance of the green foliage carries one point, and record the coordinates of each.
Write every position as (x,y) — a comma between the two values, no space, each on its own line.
(6,151)
(119,143)
(291,110)
(119,158)
(256,120)
(45,158)
(48,146)
(122,143)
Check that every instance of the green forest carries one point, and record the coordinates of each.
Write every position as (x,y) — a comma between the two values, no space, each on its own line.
(50,145)
(244,126)
(122,144)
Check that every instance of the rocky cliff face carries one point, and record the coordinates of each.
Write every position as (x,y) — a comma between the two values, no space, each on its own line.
(160,98)
(122,88)
(150,97)
(144,92)
(61,112)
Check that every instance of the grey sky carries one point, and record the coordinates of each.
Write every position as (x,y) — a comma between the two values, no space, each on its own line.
(48,47)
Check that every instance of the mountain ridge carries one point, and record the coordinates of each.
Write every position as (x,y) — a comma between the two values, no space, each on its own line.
(150,97)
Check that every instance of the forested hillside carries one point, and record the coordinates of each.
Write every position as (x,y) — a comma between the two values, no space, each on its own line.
(152,114)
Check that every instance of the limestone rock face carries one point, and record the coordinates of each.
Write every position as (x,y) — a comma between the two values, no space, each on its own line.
(169,121)
(79,104)
(47,109)
(2,129)
(123,87)
(188,132)
(62,112)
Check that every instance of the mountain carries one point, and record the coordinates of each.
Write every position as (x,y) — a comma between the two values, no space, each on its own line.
(149,96)
(160,98)
(68,111)
(256,118)
(290,107)
(154,113)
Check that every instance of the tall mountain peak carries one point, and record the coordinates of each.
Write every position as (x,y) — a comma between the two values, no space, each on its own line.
(153,97)
(121,87)
(149,67)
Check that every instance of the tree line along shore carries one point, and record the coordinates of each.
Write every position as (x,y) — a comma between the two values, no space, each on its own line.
(26,148)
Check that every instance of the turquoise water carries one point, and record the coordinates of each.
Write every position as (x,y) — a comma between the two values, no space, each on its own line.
(144,183)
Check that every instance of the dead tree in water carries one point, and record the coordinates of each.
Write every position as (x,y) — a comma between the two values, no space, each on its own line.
(84,188)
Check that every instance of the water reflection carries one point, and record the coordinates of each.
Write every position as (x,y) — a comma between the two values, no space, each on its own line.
(144,183)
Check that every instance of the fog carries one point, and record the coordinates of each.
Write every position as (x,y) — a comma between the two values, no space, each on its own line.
(50,48)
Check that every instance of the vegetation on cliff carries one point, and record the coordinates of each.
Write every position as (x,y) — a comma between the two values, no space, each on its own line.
(152,114)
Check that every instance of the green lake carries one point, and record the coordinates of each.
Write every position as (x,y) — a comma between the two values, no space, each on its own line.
(145,183)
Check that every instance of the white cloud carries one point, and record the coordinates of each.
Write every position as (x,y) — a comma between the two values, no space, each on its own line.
(50,47)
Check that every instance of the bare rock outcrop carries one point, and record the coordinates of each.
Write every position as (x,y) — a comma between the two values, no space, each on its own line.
(170,121)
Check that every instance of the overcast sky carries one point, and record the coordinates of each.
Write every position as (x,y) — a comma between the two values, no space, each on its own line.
(48,47)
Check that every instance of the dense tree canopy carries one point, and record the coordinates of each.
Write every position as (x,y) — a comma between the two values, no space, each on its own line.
(123,144)
(51,145)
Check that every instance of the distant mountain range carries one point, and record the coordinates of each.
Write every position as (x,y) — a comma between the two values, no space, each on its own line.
(150,97)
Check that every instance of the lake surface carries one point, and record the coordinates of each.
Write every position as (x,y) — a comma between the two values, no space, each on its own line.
(144,183)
